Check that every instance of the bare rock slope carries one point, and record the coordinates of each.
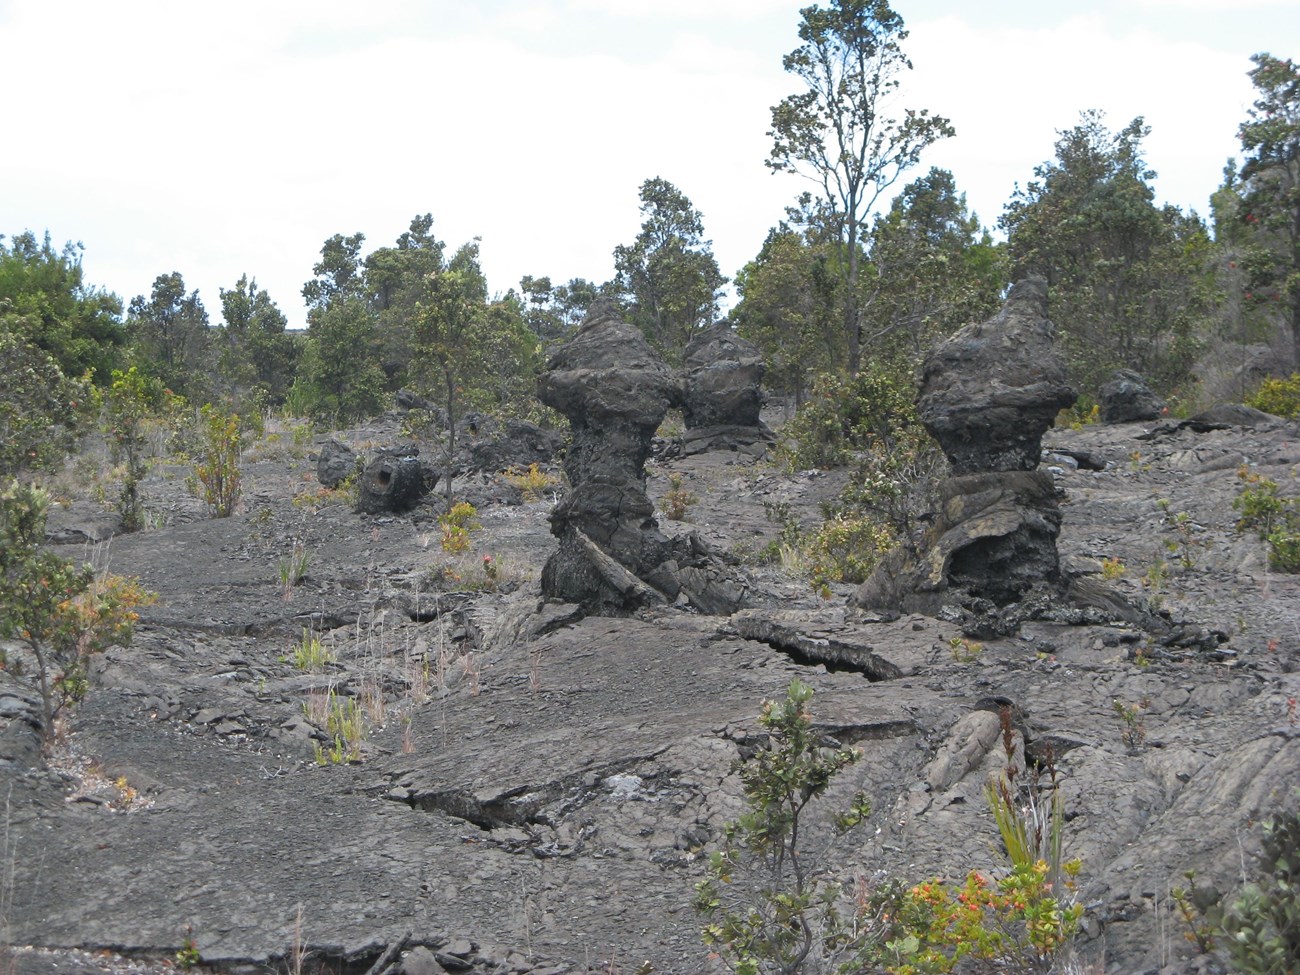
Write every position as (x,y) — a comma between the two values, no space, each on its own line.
(537,791)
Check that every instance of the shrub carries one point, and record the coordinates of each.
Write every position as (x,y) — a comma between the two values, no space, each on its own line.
(1274,518)
(221,442)
(846,549)
(796,918)
(1281,397)
(844,416)
(128,402)
(40,409)
(1263,923)
(677,501)
(61,612)
(456,524)
(532,481)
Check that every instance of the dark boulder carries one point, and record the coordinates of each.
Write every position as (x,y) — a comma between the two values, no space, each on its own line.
(723,380)
(991,390)
(393,482)
(335,463)
(1128,399)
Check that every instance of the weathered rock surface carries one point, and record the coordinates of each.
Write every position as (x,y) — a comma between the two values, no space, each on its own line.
(394,481)
(1128,399)
(335,463)
(990,391)
(723,394)
(539,792)
(612,556)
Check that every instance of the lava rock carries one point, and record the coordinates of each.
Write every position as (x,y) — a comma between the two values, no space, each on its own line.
(335,463)
(991,390)
(1128,399)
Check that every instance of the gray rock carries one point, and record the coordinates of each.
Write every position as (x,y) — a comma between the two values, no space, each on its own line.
(991,390)
(335,463)
(1128,399)
(395,481)
(723,380)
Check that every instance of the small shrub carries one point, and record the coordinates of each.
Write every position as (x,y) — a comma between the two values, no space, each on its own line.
(1112,569)
(532,481)
(128,403)
(1273,518)
(1263,923)
(293,569)
(221,442)
(310,654)
(677,501)
(846,549)
(1133,729)
(456,527)
(1281,397)
(62,613)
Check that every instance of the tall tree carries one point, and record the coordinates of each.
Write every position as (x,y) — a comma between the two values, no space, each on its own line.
(170,331)
(339,273)
(668,275)
(448,338)
(394,282)
(44,296)
(836,131)
(933,269)
(339,378)
(1128,280)
(257,352)
(1270,190)
(790,304)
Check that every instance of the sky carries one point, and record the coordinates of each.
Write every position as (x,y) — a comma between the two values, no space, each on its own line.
(231,138)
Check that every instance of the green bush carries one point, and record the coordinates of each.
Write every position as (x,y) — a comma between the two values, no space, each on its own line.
(1274,518)
(62,613)
(1281,397)
(1263,923)
(845,416)
(221,443)
(40,410)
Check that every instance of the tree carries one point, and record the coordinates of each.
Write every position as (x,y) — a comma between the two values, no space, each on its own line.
(339,378)
(257,352)
(668,275)
(170,330)
(790,300)
(933,269)
(338,273)
(41,408)
(448,330)
(835,132)
(1270,190)
(394,281)
(44,298)
(1128,281)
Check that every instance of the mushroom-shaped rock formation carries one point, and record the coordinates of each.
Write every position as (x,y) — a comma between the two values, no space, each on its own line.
(988,394)
(612,557)
(991,390)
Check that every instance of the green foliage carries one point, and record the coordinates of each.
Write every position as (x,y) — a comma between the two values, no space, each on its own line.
(1263,923)
(310,654)
(1267,191)
(846,548)
(668,276)
(457,523)
(339,379)
(795,918)
(1274,518)
(789,919)
(41,409)
(130,400)
(170,332)
(1130,283)
(258,357)
(532,481)
(62,613)
(221,442)
(1281,397)
(932,270)
(847,416)
(835,132)
(45,300)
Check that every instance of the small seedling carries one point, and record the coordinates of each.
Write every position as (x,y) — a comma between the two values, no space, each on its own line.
(965,651)
(1133,732)
(1112,569)
(677,501)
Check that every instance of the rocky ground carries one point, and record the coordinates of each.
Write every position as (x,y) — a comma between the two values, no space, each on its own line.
(526,790)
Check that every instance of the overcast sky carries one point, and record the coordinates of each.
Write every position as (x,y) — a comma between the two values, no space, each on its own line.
(217,139)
